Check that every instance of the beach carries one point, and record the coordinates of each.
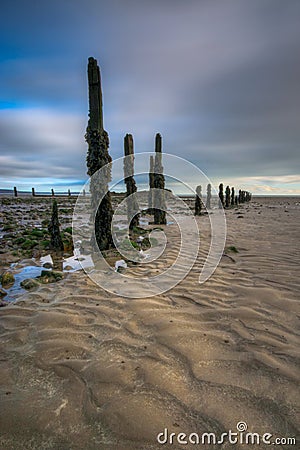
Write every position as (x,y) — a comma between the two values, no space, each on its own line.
(82,368)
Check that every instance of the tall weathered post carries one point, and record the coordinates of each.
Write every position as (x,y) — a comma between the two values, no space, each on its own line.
(15,192)
(132,204)
(227,196)
(52,192)
(159,185)
(208,196)
(98,157)
(198,201)
(151,186)
(33,192)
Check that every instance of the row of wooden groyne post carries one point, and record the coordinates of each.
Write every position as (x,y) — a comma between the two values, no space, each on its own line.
(229,199)
(34,194)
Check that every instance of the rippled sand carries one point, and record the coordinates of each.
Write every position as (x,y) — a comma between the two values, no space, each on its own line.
(84,369)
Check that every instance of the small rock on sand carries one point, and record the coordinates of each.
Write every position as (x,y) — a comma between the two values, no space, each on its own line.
(29,283)
(7,278)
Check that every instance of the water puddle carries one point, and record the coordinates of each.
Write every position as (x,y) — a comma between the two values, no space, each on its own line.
(14,291)
(66,265)
(33,268)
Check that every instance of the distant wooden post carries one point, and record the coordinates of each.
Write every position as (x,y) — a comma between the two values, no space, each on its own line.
(227,196)
(240,196)
(208,196)
(83,192)
(198,201)
(232,196)
(69,193)
(221,195)
(33,192)
(15,192)
(52,192)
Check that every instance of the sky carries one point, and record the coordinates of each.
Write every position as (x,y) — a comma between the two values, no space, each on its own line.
(218,79)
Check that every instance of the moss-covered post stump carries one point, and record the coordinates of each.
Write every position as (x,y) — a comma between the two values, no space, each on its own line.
(98,157)
(132,204)
(53,228)
(159,185)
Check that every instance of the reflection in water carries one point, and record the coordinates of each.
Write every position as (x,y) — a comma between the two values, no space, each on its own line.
(14,291)
(52,261)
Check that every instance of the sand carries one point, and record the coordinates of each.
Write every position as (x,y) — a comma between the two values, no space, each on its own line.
(85,369)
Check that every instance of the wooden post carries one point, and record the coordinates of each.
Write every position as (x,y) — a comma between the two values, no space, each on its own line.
(198,201)
(221,195)
(132,205)
(227,196)
(15,192)
(208,196)
(151,186)
(98,157)
(232,196)
(33,192)
(159,185)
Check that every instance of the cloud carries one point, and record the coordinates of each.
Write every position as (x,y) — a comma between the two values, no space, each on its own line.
(219,80)
(41,143)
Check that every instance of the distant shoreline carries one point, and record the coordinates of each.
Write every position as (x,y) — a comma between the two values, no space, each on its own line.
(10,193)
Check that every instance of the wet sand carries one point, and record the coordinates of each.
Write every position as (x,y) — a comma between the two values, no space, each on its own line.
(84,369)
